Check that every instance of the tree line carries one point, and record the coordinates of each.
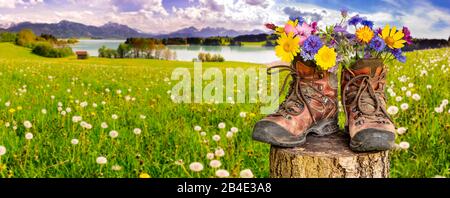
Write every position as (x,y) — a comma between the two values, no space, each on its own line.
(139,48)
(45,45)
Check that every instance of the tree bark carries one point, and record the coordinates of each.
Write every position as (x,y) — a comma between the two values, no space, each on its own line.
(327,157)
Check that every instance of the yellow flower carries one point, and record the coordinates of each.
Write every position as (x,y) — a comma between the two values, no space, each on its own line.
(293,23)
(392,37)
(19,108)
(287,47)
(279,30)
(325,57)
(144,175)
(12,110)
(364,34)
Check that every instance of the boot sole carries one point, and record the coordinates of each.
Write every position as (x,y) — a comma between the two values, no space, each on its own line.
(282,138)
(372,140)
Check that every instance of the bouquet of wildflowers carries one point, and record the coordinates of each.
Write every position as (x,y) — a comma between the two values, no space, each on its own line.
(367,41)
(302,41)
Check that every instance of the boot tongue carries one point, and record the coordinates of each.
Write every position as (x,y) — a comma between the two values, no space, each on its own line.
(304,70)
(371,67)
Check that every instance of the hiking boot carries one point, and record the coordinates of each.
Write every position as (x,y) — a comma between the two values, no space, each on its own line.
(364,100)
(310,107)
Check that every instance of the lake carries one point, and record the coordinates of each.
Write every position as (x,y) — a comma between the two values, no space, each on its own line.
(252,54)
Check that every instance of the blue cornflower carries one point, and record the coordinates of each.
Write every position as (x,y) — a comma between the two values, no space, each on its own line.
(355,20)
(398,55)
(344,12)
(367,23)
(377,44)
(310,47)
(299,18)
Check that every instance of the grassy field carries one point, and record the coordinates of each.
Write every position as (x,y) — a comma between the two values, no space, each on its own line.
(131,96)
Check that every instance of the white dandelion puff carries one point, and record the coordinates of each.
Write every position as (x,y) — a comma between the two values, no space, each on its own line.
(196,166)
(243,114)
(210,156)
(401,130)
(408,94)
(2,150)
(44,111)
(114,116)
(392,110)
(116,168)
(101,160)
(137,131)
(247,173)
(222,173)
(221,125)
(229,134)
(104,125)
(416,97)
(76,119)
(215,163)
(28,136)
(27,124)
(403,145)
(197,128)
(203,133)
(219,152)
(429,87)
(74,141)
(234,129)
(439,109)
(113,134)
(404,106)
(216,138)
(398,98)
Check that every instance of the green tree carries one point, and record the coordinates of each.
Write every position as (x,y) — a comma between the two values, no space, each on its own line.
(123,50)
(26,38)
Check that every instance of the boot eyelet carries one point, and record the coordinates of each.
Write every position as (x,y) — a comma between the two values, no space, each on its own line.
(320,88)
(321,75)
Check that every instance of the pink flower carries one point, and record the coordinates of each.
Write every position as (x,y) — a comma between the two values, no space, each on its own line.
(288,28)
(304,32)
(314,27)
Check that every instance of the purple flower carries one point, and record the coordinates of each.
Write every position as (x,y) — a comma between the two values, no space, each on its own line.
(311,47)
(398,55)
(344,12)
(378,31)
(377,44)
(299,18)
(355,20)
(407,36)
(367,23)
(339,28)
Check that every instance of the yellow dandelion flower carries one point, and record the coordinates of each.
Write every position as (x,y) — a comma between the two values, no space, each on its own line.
(287,47)
(392,37)
(12,110)
(144,175)
(364,34)
(325,57)
(19,108)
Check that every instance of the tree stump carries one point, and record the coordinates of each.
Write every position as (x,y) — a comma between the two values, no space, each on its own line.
(327,157)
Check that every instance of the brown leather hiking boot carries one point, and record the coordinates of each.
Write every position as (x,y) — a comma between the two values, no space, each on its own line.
(310,107)
(363,97)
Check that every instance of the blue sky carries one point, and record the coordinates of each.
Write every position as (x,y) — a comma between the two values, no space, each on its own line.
(425,18)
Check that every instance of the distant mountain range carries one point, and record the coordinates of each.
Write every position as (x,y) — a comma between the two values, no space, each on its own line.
(68,29)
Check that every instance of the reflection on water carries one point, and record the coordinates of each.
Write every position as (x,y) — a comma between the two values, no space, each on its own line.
(187,53)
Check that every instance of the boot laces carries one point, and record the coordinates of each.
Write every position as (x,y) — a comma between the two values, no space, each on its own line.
(296,96)
(364,96)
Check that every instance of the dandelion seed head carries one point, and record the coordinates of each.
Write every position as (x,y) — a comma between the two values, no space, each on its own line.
(113,134)
(403,145)
(216,138)
(215,163)
(229,134)
(234,129)
(74,141)
(210,156)
(196,166)
(28,136)
(404,106)
(222,173)
(197,128)
(246,173)
(2,150)
(27,124)
(401,130)
(392,110)
(137,131)
(101,160)
(221,125)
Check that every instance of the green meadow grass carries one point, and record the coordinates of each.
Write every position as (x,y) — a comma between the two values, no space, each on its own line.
(256,44)
(168,143)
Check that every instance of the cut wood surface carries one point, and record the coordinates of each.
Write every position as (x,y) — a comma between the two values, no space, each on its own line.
(327,157)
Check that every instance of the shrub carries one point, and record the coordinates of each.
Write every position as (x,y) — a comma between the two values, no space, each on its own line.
(8,37)
(47,50)
(207,57)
